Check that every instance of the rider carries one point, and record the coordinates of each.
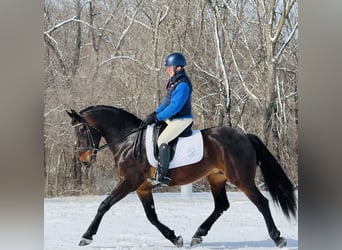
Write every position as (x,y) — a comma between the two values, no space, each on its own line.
(175,110)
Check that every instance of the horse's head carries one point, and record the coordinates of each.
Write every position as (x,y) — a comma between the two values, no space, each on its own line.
(87,138)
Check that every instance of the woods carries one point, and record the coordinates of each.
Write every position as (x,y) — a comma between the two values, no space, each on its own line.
(242,60)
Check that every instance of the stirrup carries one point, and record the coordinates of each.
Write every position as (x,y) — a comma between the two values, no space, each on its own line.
(164,182)
(152,180)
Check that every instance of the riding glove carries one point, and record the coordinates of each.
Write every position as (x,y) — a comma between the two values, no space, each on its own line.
(151,118)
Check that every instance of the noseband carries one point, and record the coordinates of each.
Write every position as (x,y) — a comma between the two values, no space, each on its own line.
(92,146)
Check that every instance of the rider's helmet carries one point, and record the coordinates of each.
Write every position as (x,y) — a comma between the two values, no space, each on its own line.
(175,59)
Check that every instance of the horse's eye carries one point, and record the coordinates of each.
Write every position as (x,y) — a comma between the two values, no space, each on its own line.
(82,129)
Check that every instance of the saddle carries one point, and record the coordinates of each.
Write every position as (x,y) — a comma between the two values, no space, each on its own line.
(158,129)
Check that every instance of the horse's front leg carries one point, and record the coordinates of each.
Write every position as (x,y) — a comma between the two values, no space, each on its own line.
(116,195)
(146,198)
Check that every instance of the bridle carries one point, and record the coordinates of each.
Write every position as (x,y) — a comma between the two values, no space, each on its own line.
(92,147)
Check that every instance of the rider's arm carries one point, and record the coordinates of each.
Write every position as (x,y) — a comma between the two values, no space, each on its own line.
(178,99)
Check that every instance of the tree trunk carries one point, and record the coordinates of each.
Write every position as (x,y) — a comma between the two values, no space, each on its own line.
(77,50)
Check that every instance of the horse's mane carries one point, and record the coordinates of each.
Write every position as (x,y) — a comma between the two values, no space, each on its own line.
(106,107)
(95,107)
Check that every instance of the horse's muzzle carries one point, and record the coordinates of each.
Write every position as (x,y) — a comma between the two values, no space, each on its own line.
(86,164)
(89,160)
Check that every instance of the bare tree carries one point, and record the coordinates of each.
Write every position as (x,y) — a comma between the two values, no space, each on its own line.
(242,60)
(276,14)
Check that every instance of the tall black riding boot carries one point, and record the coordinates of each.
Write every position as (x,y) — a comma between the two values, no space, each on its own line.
(163,167)
(164,161)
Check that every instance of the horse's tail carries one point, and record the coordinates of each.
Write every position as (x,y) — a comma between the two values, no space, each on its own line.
(277,182)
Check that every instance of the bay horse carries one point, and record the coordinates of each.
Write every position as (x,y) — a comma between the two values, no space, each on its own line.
(229,155)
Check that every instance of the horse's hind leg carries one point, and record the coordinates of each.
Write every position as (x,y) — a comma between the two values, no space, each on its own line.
(217,186)
(146,198)
(262,204)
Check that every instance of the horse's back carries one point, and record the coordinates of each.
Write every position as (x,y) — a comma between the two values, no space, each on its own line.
(226,135)
(232,143)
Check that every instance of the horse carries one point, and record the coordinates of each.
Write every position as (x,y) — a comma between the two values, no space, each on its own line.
(228,155)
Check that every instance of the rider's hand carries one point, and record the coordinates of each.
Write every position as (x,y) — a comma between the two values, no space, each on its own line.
(151,118)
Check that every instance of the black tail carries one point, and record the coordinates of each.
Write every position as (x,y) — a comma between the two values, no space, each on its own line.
(277,182)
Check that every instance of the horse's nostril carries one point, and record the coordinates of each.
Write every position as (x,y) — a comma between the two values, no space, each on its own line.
(86,164)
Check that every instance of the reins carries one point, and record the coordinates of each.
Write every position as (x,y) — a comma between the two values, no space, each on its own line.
(138,139)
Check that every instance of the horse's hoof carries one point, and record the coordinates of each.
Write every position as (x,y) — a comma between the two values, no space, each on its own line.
(281,242)
(196,241)
(85,242)
(179,241)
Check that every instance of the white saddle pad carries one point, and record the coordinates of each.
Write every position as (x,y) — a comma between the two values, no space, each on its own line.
(189,149)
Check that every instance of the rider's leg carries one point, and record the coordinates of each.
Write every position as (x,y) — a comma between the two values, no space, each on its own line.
(173,129)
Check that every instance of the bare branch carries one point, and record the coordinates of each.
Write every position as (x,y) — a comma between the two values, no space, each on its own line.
(132,58)
(120,57)
(165,14)
(244,38)
(117,47)
(219,55)
(206,72)
(281,23)
(141,23)
(204,97)
(254,97)
(52,43)
(57,26)
(286,43)
(53,110)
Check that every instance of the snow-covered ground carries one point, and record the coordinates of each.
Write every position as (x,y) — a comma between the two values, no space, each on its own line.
(125,225)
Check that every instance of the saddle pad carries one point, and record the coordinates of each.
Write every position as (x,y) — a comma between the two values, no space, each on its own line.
(189,149)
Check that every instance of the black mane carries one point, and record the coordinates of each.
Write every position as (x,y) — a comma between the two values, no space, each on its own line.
(112,116)
(111,108)
(95,107)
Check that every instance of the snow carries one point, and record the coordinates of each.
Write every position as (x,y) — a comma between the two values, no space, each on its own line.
(125,225)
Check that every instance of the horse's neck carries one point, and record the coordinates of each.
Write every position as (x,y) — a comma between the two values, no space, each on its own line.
(115,124)
(113,132)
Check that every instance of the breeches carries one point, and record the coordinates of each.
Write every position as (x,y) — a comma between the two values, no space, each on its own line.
(173,129)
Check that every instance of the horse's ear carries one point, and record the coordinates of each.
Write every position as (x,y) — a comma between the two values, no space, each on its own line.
(69,113)
(74,115)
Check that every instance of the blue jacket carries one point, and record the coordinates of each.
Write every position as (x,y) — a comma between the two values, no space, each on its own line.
(177,102)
